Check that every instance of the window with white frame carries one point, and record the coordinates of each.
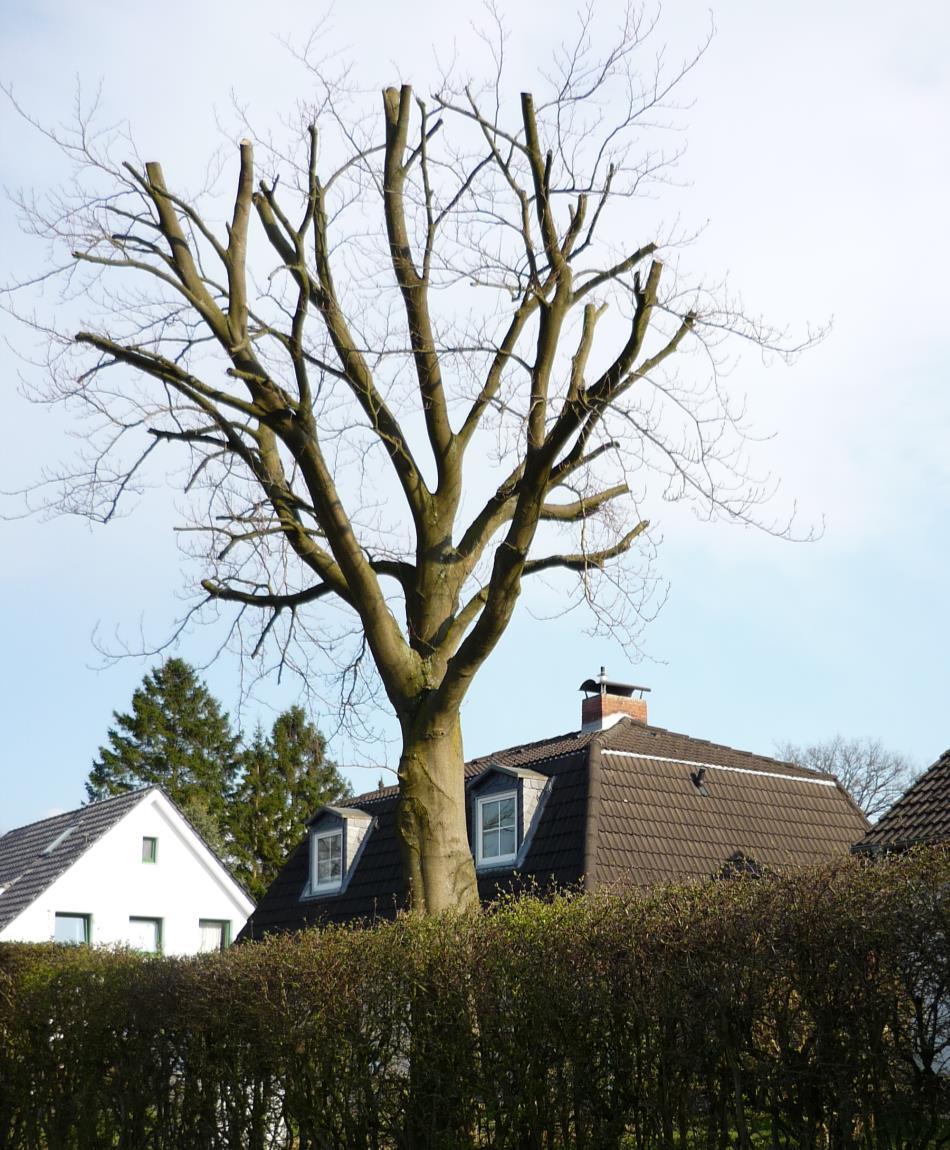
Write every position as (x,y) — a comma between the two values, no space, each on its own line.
(326,860)
(496,828)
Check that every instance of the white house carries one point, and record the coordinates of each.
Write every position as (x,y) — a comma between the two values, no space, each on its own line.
(129,870)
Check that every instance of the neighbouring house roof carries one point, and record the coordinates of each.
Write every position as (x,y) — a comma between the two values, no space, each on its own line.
(34,856)
(920,815)
(631,804)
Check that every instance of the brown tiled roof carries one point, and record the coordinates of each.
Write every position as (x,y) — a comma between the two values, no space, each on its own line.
(659,820)
(920,815)
(622,808)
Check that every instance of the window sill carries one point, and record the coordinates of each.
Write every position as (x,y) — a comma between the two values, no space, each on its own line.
(321,891)
(506,863)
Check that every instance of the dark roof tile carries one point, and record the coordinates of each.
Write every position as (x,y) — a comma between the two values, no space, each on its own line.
(920,815)
(27,864)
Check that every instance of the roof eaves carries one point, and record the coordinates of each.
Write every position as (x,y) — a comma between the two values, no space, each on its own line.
(514,772)
(204,842)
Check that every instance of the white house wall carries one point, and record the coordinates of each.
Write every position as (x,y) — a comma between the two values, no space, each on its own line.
(110,883)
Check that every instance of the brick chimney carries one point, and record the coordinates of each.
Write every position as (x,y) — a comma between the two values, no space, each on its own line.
(605,703)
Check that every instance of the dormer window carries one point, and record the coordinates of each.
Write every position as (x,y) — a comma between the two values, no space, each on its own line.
(326,859)
(496,823)
(505,808)
(337,836)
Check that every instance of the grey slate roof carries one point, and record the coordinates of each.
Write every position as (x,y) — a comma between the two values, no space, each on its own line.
(28,867)
(623,809)
(920,815)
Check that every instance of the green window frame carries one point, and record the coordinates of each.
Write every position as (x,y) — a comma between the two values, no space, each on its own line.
(209,924)
(71,929)
(158,924)
(149,849)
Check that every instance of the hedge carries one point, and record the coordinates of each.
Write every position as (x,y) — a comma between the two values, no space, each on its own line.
(809,1010)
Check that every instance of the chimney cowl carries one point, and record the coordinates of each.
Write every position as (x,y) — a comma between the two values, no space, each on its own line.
(607,702)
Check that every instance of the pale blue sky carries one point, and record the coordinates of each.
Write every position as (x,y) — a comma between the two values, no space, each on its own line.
(819,153)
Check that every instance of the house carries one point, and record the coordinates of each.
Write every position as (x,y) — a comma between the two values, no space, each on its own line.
(920,816)
(129,870)
(616,803)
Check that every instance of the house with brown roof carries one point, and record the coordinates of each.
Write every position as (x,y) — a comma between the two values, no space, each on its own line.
(616,803)
(921,816)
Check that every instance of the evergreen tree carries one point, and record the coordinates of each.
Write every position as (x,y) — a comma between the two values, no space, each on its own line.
(177,736)
(285,777)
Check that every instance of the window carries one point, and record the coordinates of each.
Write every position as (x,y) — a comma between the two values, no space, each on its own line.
(72,928)
(337,838)
(326,854)
(149,849)
(145,934)
(497,828)
(215,934)
(60,838)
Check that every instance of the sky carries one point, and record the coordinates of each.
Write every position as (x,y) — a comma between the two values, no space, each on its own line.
(817,164)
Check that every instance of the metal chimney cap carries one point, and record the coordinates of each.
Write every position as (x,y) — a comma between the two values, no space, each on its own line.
(602,685)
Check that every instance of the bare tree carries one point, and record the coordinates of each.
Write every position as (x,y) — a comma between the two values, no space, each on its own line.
(413,367)
(872,775)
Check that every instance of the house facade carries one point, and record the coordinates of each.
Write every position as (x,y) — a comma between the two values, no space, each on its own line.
(617,803)
(129,870)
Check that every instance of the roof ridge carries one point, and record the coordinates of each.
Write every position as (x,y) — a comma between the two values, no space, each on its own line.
(572,734)
(483,762)
(84,807)
(627,721)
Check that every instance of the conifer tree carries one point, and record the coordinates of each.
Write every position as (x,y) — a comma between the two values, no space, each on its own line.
(285,777)
(177,736)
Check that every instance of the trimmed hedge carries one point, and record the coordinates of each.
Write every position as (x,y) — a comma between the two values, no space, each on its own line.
(810,1010)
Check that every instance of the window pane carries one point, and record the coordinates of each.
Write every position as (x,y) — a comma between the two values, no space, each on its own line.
(73,928)
(145,934)
(213,935)
(490,815)
(506,812)
(507,841)
(329,858)
(149,849)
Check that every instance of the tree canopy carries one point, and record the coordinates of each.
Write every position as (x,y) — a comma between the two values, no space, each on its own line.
(177,736)
(425,357)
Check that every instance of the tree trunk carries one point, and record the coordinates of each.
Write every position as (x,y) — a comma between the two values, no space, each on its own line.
(437,859)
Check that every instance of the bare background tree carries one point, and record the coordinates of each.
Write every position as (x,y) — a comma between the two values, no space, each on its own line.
(872,775)
(418,357)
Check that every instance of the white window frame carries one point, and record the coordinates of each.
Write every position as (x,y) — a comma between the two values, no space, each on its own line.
(480,802)
(333,884)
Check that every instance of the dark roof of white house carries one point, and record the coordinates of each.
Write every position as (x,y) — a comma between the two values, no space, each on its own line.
(34,856)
